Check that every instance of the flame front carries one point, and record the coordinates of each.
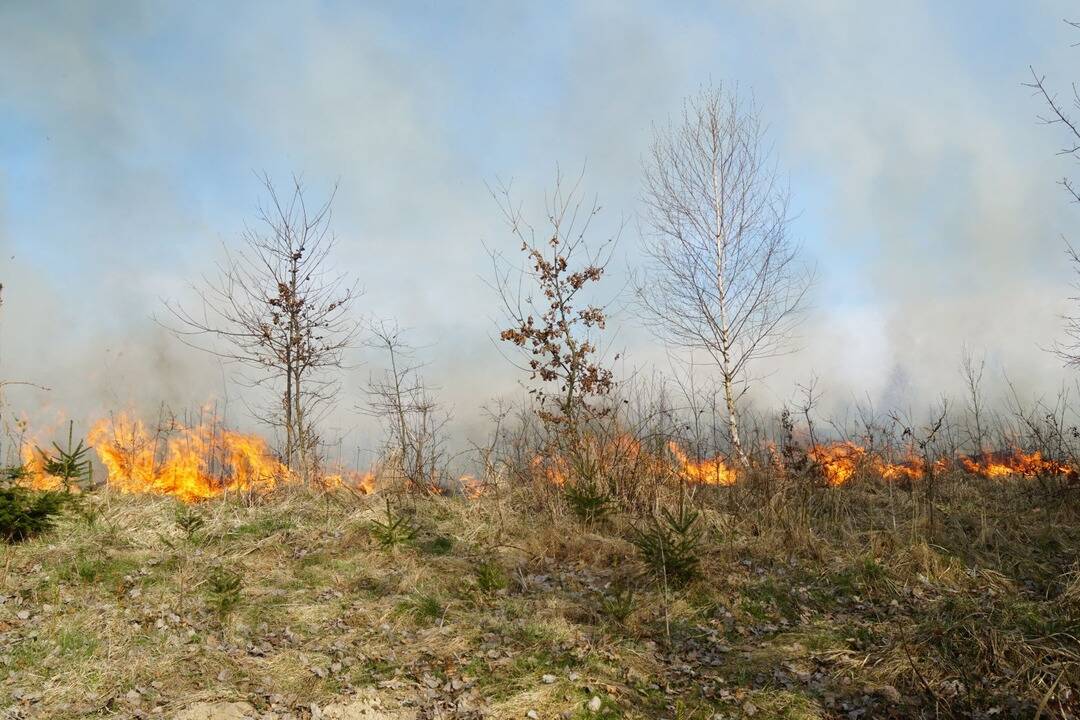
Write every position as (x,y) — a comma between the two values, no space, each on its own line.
(998,465)
(708,471)
(840,461)
(203,461)
(190,463)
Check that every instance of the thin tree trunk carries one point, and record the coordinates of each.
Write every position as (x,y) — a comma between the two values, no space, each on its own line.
(733,422)
(725,336)
(286,403)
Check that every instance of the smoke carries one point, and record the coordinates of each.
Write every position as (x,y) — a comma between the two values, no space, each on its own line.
(132,135)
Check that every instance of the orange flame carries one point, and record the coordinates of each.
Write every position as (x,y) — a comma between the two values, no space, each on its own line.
(190,463)
(472,487)
(708,471)
(838,461)
(34,464)
(997,465)
(361,482)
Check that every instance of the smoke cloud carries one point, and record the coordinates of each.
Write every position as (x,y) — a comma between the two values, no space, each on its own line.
(131,136)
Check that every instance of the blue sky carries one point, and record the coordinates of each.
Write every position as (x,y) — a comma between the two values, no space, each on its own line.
(131,133)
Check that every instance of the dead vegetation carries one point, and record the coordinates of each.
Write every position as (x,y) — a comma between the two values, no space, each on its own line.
(820,602)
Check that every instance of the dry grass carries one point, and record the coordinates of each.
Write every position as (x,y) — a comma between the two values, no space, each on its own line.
(814,603)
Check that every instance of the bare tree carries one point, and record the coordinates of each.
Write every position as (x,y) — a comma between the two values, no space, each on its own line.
(1065,115)
(408,409)
(551,324)
(278,306)
(725,276)
(976,427)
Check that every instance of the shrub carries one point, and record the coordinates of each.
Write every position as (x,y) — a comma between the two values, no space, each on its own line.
(589,503)
(71,465)
(396,530)
(223,592)
(490,577)
(423,607)
(25,513)
(670,546)
(189,520)
(438,545)
(618,605)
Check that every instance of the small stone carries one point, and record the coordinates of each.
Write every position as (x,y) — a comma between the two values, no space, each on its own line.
(595,704)
(547,679)
(890,693)
(532,715)
(23,614)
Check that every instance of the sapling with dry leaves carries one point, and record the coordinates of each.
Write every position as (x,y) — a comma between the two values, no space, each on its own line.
(549,317)
(552,322)
(279,308)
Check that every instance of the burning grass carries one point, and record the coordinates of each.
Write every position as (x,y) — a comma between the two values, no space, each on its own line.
(191,462)
(205,459)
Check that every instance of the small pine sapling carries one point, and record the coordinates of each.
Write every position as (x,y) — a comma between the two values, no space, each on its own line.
(396,530)
(670,546)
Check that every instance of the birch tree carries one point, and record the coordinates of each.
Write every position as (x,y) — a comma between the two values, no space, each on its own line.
(724,276)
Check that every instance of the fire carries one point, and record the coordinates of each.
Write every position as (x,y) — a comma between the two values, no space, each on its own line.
(838,461)
(189,462)
(31,453)
(553,469)
(198,462)
(624,456)
(472,487)
(997,465)
(709,471)
(361,482)
(34,464)
(910,469)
